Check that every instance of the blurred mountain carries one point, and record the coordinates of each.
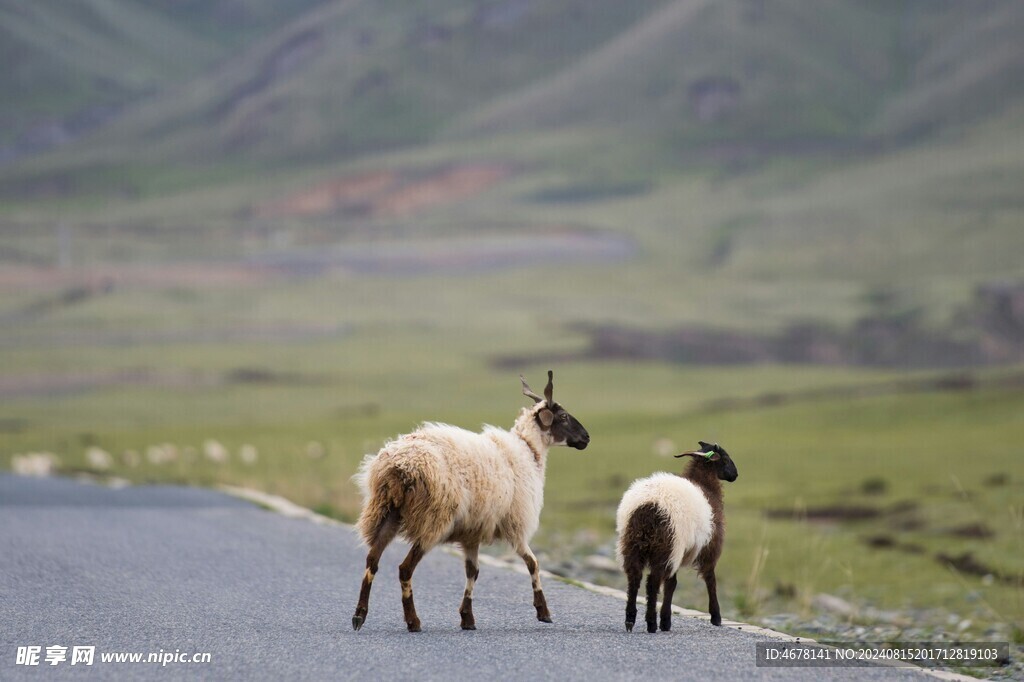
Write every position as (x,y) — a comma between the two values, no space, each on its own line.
(70,67)
(255,80)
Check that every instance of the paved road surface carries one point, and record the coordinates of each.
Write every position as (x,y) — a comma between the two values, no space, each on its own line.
(142,569)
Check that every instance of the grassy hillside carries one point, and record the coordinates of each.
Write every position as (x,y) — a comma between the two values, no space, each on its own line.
(69,67)
(727,80)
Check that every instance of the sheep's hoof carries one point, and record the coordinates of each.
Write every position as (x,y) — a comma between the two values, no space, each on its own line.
(652,627)
(468,626)
(414,626)
(716,620)
(666,625)
(357,622)
(468,622)
(546,618)
(629,626)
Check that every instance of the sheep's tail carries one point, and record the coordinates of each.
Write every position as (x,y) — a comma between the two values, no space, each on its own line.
(384,492)
(647,540)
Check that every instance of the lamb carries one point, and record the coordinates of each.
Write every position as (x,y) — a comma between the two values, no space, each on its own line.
(443,484)
(667,521)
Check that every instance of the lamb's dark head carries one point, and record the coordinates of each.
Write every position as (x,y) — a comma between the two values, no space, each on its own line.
(714,455)
(552,418)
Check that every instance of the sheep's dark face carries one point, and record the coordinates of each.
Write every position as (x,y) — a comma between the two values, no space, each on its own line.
(722,461)
(552,418)
(714,457)
(565,428)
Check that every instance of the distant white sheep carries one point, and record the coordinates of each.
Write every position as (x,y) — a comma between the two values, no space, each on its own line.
(665,522)
(39,464)
(441,483)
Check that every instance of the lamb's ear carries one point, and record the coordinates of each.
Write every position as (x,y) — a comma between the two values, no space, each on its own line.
(546,417)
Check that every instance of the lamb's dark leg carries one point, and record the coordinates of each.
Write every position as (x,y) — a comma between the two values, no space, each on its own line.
(709,580)
(654,580)
(634,574)
(666,604)
(539,602)
(472,573)
(384,535)
(405,570)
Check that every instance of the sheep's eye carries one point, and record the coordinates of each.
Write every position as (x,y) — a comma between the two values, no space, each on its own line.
(565,417)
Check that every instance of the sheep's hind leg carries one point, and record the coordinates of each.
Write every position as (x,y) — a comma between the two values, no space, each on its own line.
(539,602)
(666,604)
(384,535)
(654,580)
(634,575)
(472,573)
(405,571)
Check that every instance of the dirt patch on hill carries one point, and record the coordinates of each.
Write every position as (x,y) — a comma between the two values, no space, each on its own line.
(388,193)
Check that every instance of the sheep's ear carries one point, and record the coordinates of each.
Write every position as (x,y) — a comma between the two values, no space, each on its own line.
(713,457)
(695,453)
(546,417)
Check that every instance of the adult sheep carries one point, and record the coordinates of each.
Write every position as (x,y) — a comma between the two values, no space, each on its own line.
(441,484)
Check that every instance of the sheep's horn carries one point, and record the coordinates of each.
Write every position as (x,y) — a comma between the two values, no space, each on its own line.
(695,453)
(550,388)
(528,392)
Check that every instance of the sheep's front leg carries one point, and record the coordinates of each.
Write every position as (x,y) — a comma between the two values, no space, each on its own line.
(539,602)
(405,570)
(472,573)
(712,584)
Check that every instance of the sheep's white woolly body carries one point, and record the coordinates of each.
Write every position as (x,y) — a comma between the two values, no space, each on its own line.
(685,507)
(454,485)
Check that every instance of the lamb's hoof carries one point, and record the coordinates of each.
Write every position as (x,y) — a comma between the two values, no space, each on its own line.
(629,626)
(414,626)
(357,622)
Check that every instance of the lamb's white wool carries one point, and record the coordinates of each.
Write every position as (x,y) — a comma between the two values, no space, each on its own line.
(685,507)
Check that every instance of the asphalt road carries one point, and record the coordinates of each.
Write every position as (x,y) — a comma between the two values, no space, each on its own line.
(145,569)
